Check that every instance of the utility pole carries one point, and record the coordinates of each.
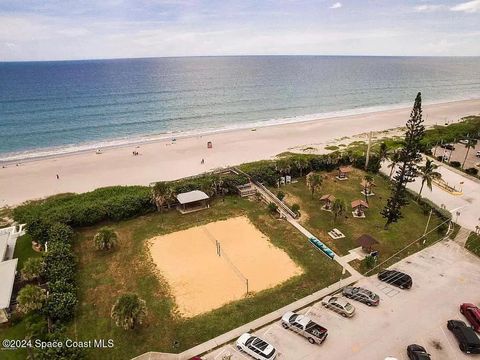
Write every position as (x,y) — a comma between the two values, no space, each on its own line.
(367,159)
(426,227)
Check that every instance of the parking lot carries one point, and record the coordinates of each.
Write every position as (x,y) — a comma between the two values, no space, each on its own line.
(444,276)
(459,155)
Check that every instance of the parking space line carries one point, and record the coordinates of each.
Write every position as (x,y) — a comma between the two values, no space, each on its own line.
(449,343)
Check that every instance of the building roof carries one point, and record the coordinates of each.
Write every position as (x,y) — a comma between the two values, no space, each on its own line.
(345,169)
(366,240)
(357,203)
(328,197)
(7,277)
(191,196)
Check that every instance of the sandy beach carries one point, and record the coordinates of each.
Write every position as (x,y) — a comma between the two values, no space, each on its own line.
(167,160)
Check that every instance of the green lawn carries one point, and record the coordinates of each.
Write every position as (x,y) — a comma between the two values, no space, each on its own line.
(473,243)
(101,278)
(319,222)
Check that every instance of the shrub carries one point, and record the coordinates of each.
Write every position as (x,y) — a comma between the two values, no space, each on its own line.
(272,207)
(60,264)
(295,208)
(59,232)
(105,239)
(31,298)
(129,311)
(472,171)
(262,171)
(61,286)
(280,195)
(32,269)
(61,305)
(455,164)
(369,262)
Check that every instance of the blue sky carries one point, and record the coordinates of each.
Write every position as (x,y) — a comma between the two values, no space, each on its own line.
(65,29)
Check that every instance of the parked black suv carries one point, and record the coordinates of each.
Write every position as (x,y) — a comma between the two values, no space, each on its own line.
(468,341)
(417,352)
(397,278)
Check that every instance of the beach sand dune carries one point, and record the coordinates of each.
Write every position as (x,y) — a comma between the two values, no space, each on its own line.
(167,160)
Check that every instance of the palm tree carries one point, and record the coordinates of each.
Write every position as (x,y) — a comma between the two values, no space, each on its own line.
(428,174)
(301,164)
(471,143)
(382,151)
(31,298)
(394,160)
(129,311)
(338,208)
(368,182)
(314,181)
(105,239)
(283,166)
(161,194)
(32,268)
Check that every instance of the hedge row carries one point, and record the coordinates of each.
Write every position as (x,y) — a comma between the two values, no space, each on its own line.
(111,203)
(269,171)
(60,274)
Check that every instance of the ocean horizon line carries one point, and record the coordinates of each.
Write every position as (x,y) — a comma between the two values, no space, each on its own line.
(238,55)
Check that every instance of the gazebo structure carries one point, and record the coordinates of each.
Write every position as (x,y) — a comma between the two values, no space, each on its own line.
(192,201)
(367,188)
(343,172)
(359,207)
(327,201)
(366,242)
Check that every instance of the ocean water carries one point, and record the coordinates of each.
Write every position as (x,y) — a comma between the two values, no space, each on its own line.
(52,107)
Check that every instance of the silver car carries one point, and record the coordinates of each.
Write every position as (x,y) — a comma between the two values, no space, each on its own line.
(339,305)
(362,295)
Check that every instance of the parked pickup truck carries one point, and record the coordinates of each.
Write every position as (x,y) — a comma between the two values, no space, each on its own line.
(304,326)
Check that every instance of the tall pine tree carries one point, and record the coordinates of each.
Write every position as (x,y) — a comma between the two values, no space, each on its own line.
(409,157)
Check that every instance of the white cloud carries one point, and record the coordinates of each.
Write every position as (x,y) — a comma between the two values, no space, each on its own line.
(428,8)
(337,5)
(468,7)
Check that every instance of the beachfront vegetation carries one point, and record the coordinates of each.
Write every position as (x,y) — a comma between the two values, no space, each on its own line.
(407,171)
(468,127)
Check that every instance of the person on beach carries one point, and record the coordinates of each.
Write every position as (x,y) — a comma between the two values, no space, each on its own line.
(203,161)
(58,177)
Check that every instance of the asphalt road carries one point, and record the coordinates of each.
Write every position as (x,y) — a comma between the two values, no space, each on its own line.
(444,276)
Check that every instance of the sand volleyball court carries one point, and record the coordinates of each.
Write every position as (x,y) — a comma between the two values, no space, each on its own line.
(201,280)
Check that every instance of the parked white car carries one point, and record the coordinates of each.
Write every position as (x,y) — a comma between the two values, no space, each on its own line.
(256,347)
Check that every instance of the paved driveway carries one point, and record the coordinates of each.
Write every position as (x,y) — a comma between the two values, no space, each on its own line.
(444,276)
